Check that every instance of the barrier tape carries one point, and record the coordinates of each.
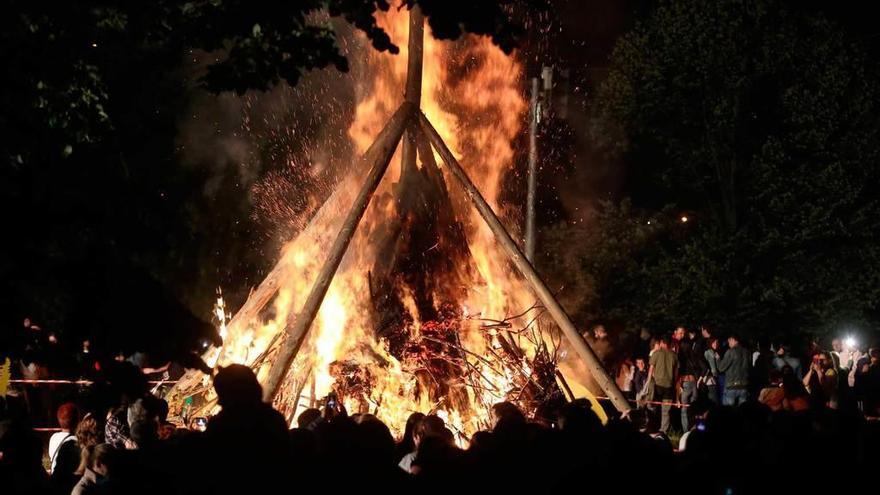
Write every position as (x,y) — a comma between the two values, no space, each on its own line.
(79,382)
(650,402)
(680,405)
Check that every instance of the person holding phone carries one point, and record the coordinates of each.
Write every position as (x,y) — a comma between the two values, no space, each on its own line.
(821,380)
(199,424)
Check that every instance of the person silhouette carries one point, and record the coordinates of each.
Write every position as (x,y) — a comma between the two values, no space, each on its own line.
(247,439)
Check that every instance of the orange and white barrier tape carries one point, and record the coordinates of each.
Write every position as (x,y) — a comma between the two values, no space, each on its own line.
(77,382)
(650,402)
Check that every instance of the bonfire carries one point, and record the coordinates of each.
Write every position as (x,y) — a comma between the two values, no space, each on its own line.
(397,296)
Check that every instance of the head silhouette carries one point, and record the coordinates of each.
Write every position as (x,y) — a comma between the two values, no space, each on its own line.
(237,386)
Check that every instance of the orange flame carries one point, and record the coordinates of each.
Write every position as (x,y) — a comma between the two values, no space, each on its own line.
(471,93)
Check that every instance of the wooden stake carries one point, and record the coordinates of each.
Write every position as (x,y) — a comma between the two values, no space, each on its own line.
(413,92)
(297,326)
(526,269)
(533,171)
(299,390)
(252,307)
(568,393)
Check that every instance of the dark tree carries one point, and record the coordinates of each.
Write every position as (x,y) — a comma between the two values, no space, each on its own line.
(99,207)
(759,123)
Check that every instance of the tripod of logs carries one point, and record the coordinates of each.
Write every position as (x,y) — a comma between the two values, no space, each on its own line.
(416,189)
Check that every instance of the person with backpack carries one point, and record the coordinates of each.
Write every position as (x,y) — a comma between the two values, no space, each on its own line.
(64,450)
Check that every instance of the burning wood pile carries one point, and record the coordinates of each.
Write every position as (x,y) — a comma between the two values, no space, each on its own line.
(448,375)
(395,297)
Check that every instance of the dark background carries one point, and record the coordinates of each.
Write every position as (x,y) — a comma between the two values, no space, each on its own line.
(126,239)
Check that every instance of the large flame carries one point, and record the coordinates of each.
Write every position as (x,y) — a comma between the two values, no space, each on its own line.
(471,93)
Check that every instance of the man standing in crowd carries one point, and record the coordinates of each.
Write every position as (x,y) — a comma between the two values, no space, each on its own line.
(245,424)
(677,338)
(735,365)
(640,375)
(663,369)
(85,360)
(691,366)
(711,357)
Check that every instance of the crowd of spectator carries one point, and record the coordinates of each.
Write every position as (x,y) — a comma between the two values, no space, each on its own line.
(688,366)
(35,354)
(750,422)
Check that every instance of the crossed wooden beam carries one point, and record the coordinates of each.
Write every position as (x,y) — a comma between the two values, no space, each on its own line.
(409,118)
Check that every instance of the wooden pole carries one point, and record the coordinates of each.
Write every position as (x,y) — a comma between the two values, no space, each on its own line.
(413,91)
(299,391)
(568,393)
(526,269)
(429,164)
(256,301)
(533,171)
(297,326)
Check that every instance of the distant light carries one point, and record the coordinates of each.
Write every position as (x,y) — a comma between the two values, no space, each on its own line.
(649,222)
(94,45)
(684,219)
(850,342)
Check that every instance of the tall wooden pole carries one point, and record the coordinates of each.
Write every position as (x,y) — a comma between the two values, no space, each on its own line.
(297,326)
(533,171)
(527,270)
(413,91)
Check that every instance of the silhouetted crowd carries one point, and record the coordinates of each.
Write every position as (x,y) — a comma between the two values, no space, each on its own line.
(748,421)
(122,443)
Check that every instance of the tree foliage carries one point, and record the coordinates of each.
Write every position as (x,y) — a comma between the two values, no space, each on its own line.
(58,56)
(761,122)
(92,96)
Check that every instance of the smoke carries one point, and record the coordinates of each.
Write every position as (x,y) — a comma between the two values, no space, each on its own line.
(208,140)
(275,154)
(259,166)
